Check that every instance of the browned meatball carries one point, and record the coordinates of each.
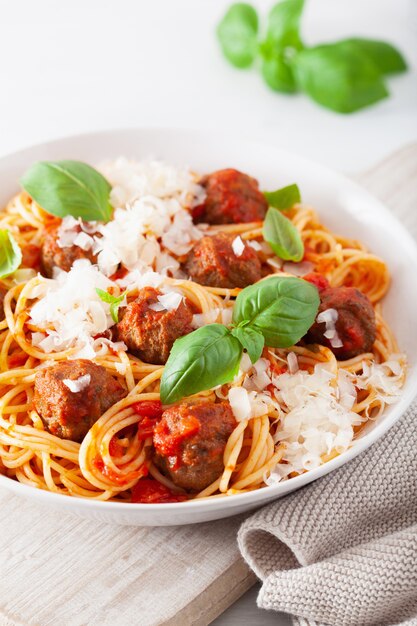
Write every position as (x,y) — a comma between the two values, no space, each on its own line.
(213,262)
(355,324)
(70,414)
(232,198)
(52,255)
(150,334)
(190,440)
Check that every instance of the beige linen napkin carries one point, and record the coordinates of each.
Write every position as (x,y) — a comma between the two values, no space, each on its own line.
(343,551)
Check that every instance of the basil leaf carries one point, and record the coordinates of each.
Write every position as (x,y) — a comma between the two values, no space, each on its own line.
(207,357)
(114,302)
(339,76)
(281,308)
(10,254)
(276,72)
(69,188)
(237,34)
(284,24)
(282,236)
(251,340)
(386,58)
(283,198)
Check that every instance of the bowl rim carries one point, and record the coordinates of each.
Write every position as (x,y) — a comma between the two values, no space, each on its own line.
(271,492)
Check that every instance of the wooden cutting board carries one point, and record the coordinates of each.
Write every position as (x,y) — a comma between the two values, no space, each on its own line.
(58,570)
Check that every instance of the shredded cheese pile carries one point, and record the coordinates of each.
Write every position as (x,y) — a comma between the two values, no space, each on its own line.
(314,409)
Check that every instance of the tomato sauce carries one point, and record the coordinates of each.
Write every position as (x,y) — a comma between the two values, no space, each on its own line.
(151,412)
(168,442)
(31,256)
(149,491)
(114,477)
(318,280)
(17,360)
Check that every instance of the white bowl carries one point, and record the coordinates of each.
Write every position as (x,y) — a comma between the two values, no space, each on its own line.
(343,206)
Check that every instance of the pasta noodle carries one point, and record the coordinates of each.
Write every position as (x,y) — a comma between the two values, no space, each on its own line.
(111,459)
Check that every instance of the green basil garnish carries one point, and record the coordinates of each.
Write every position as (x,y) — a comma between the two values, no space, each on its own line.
(284,24)
(281,308)
(277,312)
(69,188)
(283,198)
(339,76)
(237,34)
(252,340)
(277,73)
(10,254)
(207,357)
(282,236)
(344,76)
(387,58)
(114,301)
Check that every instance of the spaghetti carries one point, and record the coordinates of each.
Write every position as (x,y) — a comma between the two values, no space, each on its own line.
(265,445)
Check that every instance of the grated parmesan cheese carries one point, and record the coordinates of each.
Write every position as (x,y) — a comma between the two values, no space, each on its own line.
(84,241)
(79,384)
(330,317)
(314,422)
(169,301)
(131,180)
(298,269)
(255,245)
(315,409)
(238,246)
(70,313)
(385,377)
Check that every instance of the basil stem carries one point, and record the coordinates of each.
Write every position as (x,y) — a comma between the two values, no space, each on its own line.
(252,340)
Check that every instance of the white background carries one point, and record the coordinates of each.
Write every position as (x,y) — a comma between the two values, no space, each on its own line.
(82,65)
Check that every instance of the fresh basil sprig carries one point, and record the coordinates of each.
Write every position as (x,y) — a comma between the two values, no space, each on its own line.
(207,357)
(10,254)
(281,308)
(339,76)
(387,58)
(69,188)
(114,301)
(283,198)
(344,76)
(237,34)
(282,236)
(284,24)
(252,340)
(276,71)
(277,312)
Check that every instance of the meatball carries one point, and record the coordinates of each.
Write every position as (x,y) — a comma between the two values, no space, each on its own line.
(3,291)
(355,323)
(232,198)
(213,262)
(52,255)
(189,443)
(70,414)
(150,333)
